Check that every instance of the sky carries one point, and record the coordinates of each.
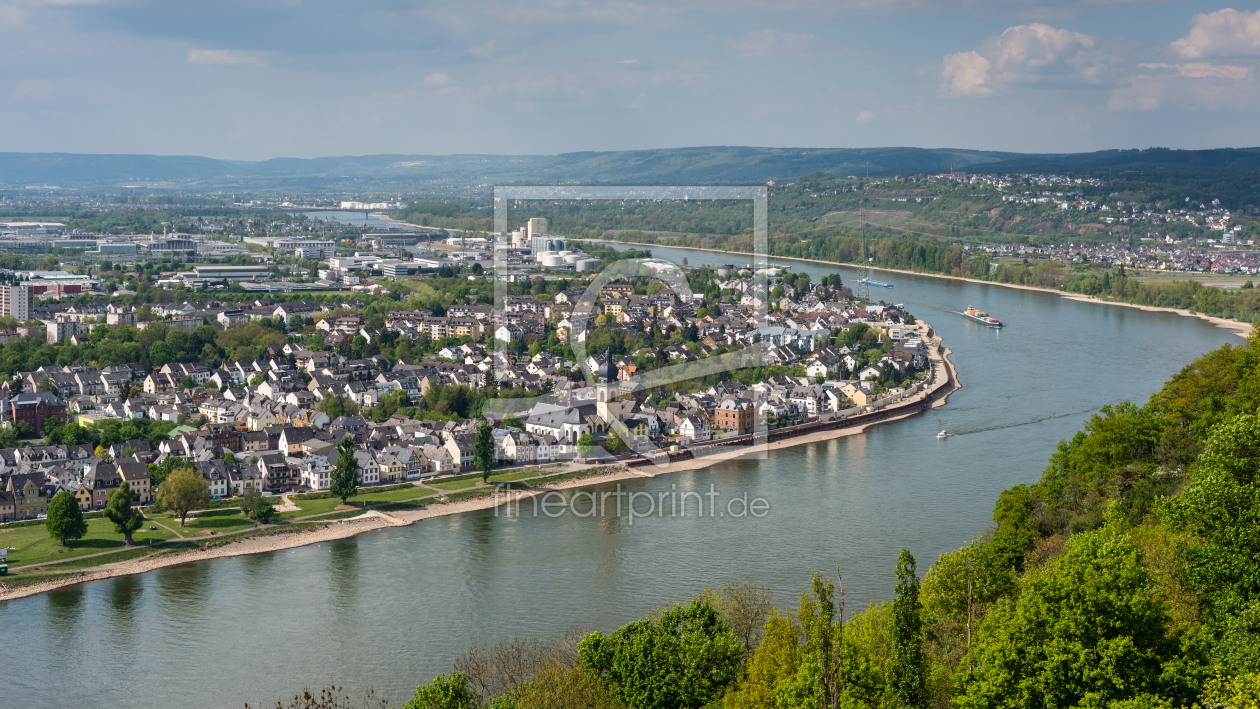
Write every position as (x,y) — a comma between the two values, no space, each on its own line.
(257,79)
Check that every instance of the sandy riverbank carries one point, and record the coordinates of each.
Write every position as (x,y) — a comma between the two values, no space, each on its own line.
(338,529)
(373,519)
(1242,329)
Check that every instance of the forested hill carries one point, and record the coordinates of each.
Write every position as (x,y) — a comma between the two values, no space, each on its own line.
(699,165)
(1151,159)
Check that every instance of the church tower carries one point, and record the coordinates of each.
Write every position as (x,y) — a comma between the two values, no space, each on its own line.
(606,389)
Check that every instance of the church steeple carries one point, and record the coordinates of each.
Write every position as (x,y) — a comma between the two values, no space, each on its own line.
(606,406)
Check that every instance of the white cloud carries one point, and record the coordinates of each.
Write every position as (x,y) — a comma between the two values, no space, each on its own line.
(221,57)
(864,117)
(964,74)
(1224,33)
(435,80)
(1195,85)
(628,61)
(1023,54)
(766,42)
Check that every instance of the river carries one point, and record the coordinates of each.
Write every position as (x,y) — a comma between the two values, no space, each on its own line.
(392,608)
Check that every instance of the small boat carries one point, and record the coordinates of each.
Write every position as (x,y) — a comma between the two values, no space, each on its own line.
(981,317)
(943,434)
(869,282)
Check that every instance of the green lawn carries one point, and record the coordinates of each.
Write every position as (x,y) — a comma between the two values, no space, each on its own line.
(218,521)
(514,475)
(311,507)
(392,496)
(459,483)
(32,545)
(565,476)
(408,505)
(464,482)
(469,494)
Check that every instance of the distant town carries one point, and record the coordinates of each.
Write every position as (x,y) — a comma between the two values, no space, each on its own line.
(142,371)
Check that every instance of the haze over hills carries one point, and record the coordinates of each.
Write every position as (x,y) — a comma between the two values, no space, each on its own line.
(699,165)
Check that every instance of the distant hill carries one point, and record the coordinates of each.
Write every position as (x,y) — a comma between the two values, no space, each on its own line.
(750,165)
(1214,160)
(701,165)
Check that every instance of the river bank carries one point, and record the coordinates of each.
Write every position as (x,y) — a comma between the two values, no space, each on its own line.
(375,519)
(1237,327)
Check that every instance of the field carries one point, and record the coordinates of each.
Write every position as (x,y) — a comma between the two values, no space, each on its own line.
(216,521)
(32,545)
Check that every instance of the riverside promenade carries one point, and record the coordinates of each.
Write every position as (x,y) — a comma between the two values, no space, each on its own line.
(942,380)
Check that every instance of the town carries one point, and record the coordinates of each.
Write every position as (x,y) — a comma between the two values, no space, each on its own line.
(256,391)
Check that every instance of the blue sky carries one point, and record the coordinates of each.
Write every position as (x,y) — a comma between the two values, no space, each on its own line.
(254,79)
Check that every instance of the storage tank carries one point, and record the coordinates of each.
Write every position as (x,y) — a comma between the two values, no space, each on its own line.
(587,264)
(725,270)
(564,253)
(573,258)
(552,260)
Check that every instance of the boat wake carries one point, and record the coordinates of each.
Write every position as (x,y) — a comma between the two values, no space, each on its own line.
(966,432)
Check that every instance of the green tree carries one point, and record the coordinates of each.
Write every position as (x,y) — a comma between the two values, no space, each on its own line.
(684,660)
(47,384)
(187,382)
(483,451)
(160,354)
(345,472)
(1016,532)
(612,442)
(586,445)
(65,520)
(777,660)
(1089,629)
(818,681)
(907,671)
(1220,507)
(257,507)
(963,584)
(119,510)
(72,434)
(444,693)
(183,490)
(338,406)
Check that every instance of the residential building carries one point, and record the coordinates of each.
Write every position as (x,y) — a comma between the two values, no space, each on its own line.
(33,408)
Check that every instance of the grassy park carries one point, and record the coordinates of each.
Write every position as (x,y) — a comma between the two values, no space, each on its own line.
(32,545)
(217,521)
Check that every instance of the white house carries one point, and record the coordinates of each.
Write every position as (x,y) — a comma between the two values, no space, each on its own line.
(316,472)
(369,471)
(868,372)
(440,460)
(694,426)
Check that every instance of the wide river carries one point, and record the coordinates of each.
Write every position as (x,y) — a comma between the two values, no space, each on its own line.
(392,608)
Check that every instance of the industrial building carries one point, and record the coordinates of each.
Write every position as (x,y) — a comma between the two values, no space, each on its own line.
(396,269)
(311,248)
(231,273)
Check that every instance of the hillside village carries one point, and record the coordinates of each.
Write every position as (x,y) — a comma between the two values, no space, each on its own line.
(271,423)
